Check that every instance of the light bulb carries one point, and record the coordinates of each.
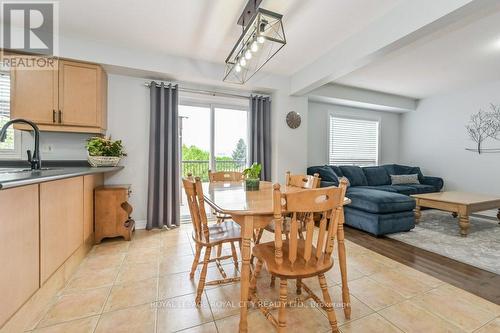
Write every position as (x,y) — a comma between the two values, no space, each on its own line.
(248,55)
(237,68)
(243,62)
(261,39)
(254,47)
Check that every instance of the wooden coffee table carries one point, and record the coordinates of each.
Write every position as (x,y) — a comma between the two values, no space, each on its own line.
(460,204)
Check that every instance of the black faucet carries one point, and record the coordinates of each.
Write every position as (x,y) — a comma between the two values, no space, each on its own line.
(35,160)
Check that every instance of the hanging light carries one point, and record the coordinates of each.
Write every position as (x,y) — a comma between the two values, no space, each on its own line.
(261,39)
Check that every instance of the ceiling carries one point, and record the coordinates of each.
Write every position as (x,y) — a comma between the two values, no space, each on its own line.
(207,29)
(463,54)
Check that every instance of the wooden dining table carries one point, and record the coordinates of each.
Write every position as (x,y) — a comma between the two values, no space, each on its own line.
(254,210)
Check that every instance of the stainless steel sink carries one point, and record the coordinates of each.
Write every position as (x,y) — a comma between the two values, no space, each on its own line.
(20,170)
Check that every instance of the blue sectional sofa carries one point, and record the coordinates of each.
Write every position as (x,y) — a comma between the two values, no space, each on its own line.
(377,206)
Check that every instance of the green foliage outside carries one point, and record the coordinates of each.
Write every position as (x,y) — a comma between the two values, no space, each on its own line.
(196,160)
(9,140)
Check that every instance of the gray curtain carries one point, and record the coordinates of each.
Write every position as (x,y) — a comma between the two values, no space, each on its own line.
(260,134)
(163,178)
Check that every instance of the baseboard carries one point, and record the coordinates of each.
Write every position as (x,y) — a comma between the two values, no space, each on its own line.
(140,224)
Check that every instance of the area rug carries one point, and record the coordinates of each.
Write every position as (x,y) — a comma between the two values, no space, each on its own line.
(438,232)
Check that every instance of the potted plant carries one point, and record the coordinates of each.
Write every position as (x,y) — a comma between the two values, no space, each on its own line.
(252,177)
(104,152)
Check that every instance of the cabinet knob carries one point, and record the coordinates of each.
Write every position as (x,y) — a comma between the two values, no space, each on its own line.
(60,116)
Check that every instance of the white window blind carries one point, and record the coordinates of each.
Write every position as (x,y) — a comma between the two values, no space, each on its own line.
(353,141)
(5,110)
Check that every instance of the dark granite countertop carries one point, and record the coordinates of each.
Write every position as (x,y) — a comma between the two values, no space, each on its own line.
(12,175)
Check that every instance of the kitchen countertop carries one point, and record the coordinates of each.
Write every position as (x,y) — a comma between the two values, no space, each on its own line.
(15,179)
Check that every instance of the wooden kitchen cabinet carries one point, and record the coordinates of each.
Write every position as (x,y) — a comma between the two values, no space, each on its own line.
(19,248)
(90,182)
(61,222)
(34,93)
(70,98)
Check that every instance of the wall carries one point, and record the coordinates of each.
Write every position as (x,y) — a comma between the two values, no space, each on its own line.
(317,136)
(57,146)
(435,138)
(128,120)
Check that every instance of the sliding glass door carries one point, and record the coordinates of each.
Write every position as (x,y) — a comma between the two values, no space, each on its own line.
(212,137)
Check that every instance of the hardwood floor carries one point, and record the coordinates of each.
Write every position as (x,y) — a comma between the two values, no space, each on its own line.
(474,280)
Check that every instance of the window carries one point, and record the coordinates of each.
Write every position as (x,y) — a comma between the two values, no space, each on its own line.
(353,141)
(11,147)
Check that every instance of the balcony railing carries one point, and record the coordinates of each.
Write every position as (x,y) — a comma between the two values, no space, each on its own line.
(200,168)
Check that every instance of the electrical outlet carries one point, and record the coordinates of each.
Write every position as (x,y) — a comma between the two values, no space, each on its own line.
(47,148)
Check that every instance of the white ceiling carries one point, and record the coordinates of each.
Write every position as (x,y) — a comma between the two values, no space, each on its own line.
(207,29)
(463,54)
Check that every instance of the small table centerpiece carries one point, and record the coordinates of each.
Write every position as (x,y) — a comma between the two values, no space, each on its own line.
(252,177)
(104,152)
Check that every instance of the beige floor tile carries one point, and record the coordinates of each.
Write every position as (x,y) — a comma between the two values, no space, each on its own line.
(373,323)
(205,328)
(449,291)
(366,264)
(131,294)
(466,314)
(144,254)
(174,285)
(111,247)
(492,326)
(180,250)
(333,276)
(224,301)
(91,278)
(214,274)
(179,313)
(306,319)
(130,320)
(93,262)
(171,265)
(373,293)
(411,318)
(76,305)
(406,285)
(153,242)
(420,276)
(256,323)
(85,325)
(137,271)
(358,308)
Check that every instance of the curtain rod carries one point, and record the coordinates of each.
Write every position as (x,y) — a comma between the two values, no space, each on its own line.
(206,92)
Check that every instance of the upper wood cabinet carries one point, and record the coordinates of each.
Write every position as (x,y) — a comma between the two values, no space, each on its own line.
(19,251)
(70,98)
(61,222)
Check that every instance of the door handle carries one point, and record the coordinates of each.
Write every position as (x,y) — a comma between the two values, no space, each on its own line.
(53,115)
(60,116)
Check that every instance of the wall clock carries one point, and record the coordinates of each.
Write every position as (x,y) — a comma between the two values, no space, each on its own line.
(293,119)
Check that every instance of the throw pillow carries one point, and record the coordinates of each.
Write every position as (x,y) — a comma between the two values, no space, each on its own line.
(404,179)
(326,173)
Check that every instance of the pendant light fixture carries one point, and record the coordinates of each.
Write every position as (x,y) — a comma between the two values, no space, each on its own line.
(263,36)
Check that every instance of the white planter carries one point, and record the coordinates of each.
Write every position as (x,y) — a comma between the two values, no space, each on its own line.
(103,161)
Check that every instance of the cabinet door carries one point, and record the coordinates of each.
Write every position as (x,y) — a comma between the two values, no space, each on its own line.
(90,182)
(61,222)
(19,251)
(80,100)
(34,93)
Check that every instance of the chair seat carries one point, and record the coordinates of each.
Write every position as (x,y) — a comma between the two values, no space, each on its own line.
(227,231)
(300,269)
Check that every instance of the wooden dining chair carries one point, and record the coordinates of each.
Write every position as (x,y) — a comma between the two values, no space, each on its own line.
(291,180)
(297,258)
(208,236)
(224,176)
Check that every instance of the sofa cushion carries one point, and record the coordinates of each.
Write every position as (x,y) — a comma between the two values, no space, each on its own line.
(387,188)
(399,169)
(376,176)
(325,172)
(422,188)
(355,175)
(405,189)
(337,170)
(379,224)
(379,202)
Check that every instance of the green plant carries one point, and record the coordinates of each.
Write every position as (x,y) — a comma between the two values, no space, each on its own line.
(253,172)
(97,146)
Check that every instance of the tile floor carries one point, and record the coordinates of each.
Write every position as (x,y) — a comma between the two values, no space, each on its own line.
(144,286)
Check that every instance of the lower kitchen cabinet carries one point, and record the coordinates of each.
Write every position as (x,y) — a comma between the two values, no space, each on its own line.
(61,222)
(19,248)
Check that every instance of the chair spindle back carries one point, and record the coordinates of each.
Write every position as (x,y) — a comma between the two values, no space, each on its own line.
(224,176)
(303,181)
(327,201)
(196,204)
